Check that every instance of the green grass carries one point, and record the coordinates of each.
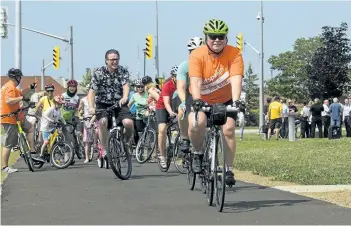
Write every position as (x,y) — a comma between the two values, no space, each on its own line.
(306,161)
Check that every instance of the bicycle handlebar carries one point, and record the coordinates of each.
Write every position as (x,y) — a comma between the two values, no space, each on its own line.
(17,111)
(229,108)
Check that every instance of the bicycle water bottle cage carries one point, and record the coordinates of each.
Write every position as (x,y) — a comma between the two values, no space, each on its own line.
(218,114)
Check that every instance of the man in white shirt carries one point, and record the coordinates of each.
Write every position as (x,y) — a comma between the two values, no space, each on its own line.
(346,117)
(285,126)
(326,118)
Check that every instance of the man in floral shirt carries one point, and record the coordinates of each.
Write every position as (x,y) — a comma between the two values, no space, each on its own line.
(110,85)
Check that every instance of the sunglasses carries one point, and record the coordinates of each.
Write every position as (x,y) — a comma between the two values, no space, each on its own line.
(140,86)
(116,59)
(49,91)
(214,37)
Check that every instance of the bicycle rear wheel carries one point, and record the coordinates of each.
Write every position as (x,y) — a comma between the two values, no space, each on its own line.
(179,162)
(116,155)
(219,173)
(26,152)
(147,143)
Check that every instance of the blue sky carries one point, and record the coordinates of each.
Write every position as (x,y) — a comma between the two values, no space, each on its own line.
(99,26)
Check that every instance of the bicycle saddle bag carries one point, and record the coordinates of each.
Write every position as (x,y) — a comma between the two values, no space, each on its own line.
(218,114)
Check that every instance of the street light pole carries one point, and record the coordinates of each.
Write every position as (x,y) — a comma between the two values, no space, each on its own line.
(71,52)
(157,49)
(18,35)
(261,18)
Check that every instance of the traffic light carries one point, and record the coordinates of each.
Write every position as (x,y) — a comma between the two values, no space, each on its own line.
(3,22)
(240,42)
(56,59)
(148,49)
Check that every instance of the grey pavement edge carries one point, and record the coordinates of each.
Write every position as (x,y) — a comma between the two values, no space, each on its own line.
(85,194)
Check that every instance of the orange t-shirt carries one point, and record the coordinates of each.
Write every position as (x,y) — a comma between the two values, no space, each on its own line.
(215,72)
(9,89)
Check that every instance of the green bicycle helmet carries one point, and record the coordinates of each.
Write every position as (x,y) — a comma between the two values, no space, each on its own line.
(215,26)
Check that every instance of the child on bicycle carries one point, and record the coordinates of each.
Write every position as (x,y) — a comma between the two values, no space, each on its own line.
(48,124)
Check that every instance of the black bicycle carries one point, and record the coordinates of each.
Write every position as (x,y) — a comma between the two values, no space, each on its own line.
(172,133)
(116,152)
(76,141)
(147,141)
(213,176)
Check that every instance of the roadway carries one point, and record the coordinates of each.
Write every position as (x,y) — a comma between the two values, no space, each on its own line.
(85,194)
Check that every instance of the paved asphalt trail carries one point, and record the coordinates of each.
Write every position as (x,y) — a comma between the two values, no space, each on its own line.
(85,194)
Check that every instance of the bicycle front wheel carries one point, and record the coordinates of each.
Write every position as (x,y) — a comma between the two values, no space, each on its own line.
(26,152)
(61,155)
(118,155)
(219,175)
(146,146)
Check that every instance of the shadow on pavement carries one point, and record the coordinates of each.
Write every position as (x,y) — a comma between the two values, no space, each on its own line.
(248,187)
(154,175)
(244,206)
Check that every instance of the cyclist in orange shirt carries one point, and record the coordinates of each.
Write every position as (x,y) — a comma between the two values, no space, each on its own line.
(216,71)
(11,97)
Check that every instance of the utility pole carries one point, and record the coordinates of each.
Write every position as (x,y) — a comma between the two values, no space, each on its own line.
(43,73)
(157,46)
(71,52)
(144,51)
(261,18)
(18,35)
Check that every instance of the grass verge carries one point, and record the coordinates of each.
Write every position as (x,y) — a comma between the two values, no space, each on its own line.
(306,161)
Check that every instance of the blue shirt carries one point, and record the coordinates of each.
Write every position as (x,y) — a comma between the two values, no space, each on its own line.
(335,111)
(133,107)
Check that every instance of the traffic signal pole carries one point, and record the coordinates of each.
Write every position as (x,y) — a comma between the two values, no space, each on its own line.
(69,41)
(144,62)
(43,73)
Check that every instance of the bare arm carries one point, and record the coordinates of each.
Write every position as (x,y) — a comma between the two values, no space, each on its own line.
(125,91)
(236,83)
(167,102)
(181,88)
(153,94)
(91,99)
(196,83)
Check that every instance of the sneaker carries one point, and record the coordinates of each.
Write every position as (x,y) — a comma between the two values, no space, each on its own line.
(184,146)
(39,158)
(197,163)
(9,170)
(163,162)
(229,178)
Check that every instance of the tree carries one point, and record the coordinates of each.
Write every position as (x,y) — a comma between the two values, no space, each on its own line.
(291,66)
(328,70)
(86,78)
(251,88)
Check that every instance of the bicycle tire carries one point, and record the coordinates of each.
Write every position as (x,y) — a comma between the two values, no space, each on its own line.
(115,148)
(208,175)
(142,141)
(53,150)
(219,179)
(26,152)
(190,175)
(79,150)
(181,168)
(38,164)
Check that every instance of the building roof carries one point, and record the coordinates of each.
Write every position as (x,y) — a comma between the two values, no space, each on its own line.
(27,80)
(59,83)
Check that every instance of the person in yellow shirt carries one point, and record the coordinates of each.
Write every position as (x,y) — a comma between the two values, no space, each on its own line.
(275,110)
(45,102)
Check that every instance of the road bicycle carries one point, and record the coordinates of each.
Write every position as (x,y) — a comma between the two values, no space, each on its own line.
(213,176)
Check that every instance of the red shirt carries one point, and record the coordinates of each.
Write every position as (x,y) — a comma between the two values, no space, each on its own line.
(167,91)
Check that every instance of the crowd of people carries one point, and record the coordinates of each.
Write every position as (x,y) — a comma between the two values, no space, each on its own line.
(328,118)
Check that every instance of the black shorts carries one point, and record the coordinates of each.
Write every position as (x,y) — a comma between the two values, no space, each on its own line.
(120,113)
(162,116)
(275,123)
(188,102)
(139,125)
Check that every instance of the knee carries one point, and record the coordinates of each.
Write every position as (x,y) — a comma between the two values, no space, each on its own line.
(162,129)
(103,122)
(201,123)
(229,132)
(128,124)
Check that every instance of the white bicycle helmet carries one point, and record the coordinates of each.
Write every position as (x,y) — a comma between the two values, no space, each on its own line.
(174,70)
(194,43)
(138,82)
(87,87)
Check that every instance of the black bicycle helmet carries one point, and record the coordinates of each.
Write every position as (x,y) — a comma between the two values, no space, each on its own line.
(14,73)
(146,80)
